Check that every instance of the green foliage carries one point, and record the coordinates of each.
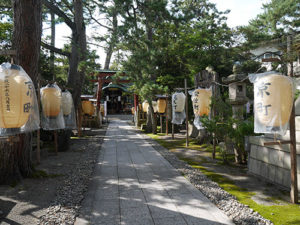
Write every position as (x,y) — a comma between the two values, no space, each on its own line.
(60,68)
(6,27)
(5,34)
(277,19)
(250,66)
(225,127)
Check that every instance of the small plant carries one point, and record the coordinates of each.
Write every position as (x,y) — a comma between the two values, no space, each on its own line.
(227,129)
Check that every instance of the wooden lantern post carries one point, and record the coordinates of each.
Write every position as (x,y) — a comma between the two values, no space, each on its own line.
(294,184)
(292,141)
(187,113)
(38,138)
(167,122)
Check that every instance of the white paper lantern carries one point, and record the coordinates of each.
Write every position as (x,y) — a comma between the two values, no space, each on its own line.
(161,105)
(201,101)
(178,102)
(145,106)
(51,100)
(154,105)
(273,96)
(67,103)
(16,98)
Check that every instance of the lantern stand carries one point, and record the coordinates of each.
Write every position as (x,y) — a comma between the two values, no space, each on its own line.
(55,142)
(186,112)
(162,114)
(294,182)
(292,141)
(205,79)
(38,142)
(79,120)
(55,131)
(161,123)
(172,131)
(167,116)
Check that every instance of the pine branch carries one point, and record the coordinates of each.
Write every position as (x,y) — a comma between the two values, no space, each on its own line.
(96,21)
(60,13)
(56,50)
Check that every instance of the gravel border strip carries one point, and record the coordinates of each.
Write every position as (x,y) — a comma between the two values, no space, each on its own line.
(65,207)
(240,214)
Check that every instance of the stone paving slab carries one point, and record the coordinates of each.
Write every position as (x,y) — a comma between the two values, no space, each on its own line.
(134,185)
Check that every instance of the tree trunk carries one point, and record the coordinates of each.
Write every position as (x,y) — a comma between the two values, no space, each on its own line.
(15,157)
(113,41)
(153,120)
(109,53)
(52,57)
(76,75)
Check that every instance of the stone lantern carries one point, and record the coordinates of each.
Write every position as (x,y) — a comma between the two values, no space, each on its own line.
(237,91)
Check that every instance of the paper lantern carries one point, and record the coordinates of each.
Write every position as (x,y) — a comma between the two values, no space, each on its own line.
(88,108)
(161,105)
(178,102)
(67,103)
(201,101)
(16,90)
(145,106)
(51,100)
(273,100)
(154,106)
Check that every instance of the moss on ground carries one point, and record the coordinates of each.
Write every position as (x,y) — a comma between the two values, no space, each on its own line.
(279,214)
(193,144)
(43,174)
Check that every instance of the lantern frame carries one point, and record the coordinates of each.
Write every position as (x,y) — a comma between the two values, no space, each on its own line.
(70,119)
(32,122)
(164,105)
(279,119)
(52,122)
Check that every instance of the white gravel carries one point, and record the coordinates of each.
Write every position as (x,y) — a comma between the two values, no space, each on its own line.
(65,207)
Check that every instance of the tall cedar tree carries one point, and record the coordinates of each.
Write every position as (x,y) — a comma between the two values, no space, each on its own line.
(15,158)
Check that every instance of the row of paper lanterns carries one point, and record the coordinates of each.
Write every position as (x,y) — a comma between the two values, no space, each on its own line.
(19,108)
(159,106)
(273,101)
(201,103)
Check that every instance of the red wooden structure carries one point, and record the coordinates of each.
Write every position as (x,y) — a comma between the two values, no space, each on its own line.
(105,77)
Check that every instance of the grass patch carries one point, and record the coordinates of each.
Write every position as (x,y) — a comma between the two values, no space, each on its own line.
(37,174)
(75,138)
(181,143)
(287,214)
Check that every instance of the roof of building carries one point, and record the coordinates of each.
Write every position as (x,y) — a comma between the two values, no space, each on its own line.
(111,85)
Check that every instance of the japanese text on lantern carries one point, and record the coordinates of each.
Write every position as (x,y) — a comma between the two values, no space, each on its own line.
(195,101)
(262,91)
(6,90)
(27,106)
(174,102)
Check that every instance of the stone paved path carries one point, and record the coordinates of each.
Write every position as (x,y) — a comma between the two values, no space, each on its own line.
(134,185)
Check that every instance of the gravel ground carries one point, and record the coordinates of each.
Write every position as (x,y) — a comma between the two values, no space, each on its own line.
(65,207)
(55,199)
(239,213)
